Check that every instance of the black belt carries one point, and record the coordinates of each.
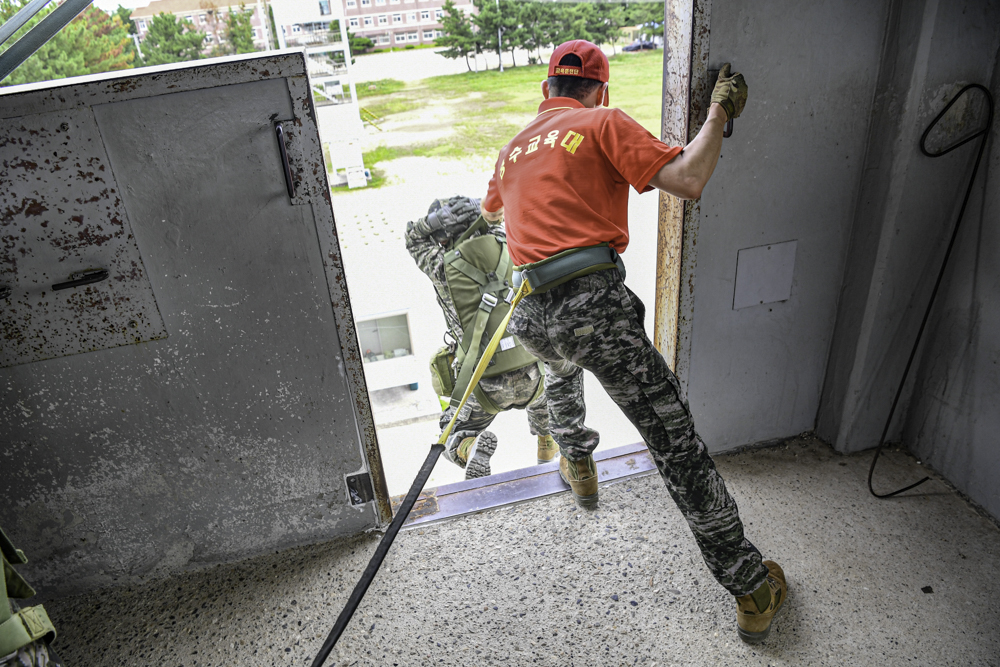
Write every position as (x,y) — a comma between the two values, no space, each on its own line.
(566,265)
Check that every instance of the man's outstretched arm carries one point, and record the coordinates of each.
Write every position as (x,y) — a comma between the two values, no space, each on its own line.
(687,174)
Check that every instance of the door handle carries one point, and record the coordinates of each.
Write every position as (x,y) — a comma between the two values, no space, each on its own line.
(286,168)
(82,278)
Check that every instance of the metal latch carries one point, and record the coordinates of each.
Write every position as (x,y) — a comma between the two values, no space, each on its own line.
(360,488)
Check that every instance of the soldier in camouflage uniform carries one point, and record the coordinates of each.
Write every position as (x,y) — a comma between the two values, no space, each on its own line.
(470,445)
(571,193)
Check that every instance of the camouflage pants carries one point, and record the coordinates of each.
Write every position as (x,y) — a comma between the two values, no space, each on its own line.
(35,654)
(591,323)
(513,389)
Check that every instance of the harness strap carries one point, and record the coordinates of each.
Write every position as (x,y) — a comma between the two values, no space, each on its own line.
(486,307)
(28,625)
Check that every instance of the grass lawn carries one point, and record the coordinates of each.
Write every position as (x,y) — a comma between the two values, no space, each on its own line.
(492,106)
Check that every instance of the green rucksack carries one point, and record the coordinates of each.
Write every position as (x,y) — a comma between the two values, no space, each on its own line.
(478,272)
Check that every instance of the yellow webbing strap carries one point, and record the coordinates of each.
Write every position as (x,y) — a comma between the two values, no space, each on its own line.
(28,625)
(485,359)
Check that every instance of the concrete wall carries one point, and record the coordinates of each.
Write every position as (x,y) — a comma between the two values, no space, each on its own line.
(955,416)
(791,171)
(905,213)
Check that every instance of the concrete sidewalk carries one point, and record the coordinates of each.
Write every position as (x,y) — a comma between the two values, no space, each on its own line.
(908,581)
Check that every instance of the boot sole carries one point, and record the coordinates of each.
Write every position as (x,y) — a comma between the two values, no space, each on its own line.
(753,637)
(479,457)
(586,502)
(544,461)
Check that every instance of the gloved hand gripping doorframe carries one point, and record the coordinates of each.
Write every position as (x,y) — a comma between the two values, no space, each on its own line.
(984,133)
(411,497)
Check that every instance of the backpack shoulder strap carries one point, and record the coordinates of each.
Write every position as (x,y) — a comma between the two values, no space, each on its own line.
(486,306)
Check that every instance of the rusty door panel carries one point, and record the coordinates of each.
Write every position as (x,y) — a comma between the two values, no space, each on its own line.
(61,215)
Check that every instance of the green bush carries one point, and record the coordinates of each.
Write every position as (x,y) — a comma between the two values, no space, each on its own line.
(409,47)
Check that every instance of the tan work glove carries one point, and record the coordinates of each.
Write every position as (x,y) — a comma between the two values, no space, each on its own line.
(730,92)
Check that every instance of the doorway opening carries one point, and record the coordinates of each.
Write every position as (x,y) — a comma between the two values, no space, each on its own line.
(435,137)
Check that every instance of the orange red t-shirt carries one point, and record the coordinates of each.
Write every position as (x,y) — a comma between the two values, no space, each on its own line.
(563,180)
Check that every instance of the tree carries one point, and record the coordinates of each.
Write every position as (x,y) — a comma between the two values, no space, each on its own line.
(239,32)
(648,15)
(358,43)
(125,14)
(494,22)
(615,18)
(536,19)
(171,40)
(458,35)
(92,43)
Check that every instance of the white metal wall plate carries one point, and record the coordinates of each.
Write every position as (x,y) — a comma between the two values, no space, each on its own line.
(764,274)
(62,215)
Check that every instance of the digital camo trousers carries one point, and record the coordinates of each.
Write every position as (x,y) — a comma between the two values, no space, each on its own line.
(511,390)
(35,654)
(591,323)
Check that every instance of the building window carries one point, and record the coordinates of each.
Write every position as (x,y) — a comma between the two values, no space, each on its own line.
(383,39)
(400,37)
(255,35)
(366,3)
(383,19)
(368,21)
(385,337)
(412,37)
(428,34)
(425,15)
(379,2)
(393,2)
(142,24)
(352,3)
(397,18)
(353,22)
(411,17)
(296,29)
(439,14)
(324,7)
(208,39)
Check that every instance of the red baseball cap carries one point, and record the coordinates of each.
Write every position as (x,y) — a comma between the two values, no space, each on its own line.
(595,63)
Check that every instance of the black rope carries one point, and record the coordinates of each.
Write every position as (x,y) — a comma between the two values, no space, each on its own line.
(380,553)
(984,133)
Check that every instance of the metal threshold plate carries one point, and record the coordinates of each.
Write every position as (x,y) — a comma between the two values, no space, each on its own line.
(517,486)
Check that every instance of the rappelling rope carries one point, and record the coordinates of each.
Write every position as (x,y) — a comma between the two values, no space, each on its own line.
(411,497)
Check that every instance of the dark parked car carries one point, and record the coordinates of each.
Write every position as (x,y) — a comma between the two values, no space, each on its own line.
(639,45)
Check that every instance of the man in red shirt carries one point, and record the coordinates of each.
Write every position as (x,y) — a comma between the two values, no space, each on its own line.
(561,186)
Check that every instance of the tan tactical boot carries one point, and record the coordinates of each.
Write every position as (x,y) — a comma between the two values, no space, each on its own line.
(547,449)
(582,479)
(477,451)
(753,623)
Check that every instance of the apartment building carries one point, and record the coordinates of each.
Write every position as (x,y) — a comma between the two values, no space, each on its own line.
(398,22)
(207,16)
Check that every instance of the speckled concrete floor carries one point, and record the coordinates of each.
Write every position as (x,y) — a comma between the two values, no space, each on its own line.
(544,583)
